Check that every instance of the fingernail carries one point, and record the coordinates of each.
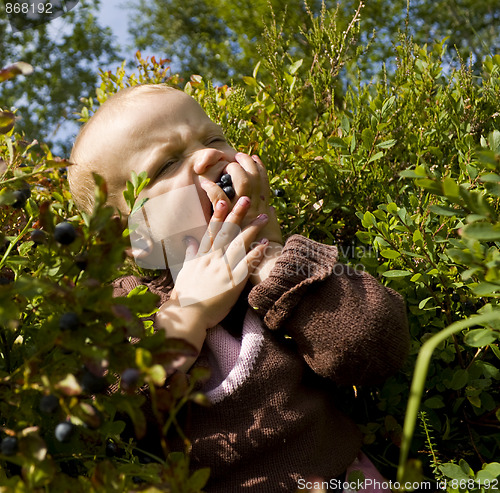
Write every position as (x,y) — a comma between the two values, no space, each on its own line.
(262,217)
(264,241)
(243,201)
(220,205)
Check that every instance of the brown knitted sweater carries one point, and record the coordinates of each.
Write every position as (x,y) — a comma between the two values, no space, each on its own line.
(273,418)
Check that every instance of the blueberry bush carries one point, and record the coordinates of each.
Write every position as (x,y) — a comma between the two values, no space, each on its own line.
(401,172)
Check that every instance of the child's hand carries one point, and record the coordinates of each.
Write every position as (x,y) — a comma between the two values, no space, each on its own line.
(214,273)
(249,179)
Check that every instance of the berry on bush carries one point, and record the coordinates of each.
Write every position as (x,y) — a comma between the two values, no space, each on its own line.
(81,261)
(49,404)
(9,446)
(64,233)
(37,236)
(64,431)
(111,449)
(129,379)
(21,197)
(279,192)
(92,384)
(69,321)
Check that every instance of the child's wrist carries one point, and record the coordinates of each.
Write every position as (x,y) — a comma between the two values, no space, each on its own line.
(181,322)
(262,271)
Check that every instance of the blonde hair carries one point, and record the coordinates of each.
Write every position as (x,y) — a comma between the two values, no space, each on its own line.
(80,179)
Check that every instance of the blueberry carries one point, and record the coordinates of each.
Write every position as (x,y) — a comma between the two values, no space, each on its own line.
(219,184)
(111,449)
(226,179)
(129,379)
(37,236)
(20,201)
(64,431)
(279,192)
(49,404)
(9,446)
(455,297)
(92,384)
(229,191)
(81,261)
(64,233)
(69,321)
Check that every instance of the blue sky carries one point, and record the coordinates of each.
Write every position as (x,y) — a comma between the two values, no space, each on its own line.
(115,15)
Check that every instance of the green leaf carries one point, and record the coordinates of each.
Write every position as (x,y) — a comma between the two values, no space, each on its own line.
(295,66)
(7,119)
(387,144)
(367,136)
(376,157)
(441,210)
(480,337)
(430,185)
(390,254)
(450,188)
(460,379)
(368,220)
(200,477)
(453,471)
(435,402)
(397,273)
(482,231)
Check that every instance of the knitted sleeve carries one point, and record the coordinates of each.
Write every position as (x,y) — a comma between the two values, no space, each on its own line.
(346,325)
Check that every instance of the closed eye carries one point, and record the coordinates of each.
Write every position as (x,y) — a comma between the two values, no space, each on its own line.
(216,140)
(165,167)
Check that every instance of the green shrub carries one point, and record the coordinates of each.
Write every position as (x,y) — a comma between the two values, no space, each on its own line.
(402,173)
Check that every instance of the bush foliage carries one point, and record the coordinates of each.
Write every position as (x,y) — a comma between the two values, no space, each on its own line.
(402,173)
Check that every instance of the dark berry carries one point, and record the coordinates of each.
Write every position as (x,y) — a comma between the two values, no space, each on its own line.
(64,233)
(9,446)
(37,236)
(279,192)
(49,404)
(226,179)
(81,261)
(69,321)
(111,449)
(455,297)
(20,199)
(4,280)
(219,184)
(129,379)
(91,384)
(64,431)
(229,191)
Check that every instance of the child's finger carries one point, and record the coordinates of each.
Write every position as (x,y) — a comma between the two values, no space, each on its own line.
(231,226)
(220,212)
(214,192)
(264,180)
(244,269)
(191,248)
(244,240)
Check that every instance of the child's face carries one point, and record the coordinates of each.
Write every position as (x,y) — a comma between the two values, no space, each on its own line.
(169,136)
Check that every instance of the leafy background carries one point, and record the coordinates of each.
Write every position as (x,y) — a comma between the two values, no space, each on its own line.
(396,163)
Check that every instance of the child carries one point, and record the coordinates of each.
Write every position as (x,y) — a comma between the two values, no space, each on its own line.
(273,423)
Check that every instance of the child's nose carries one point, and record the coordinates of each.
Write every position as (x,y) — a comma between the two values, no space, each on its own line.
(204,159)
